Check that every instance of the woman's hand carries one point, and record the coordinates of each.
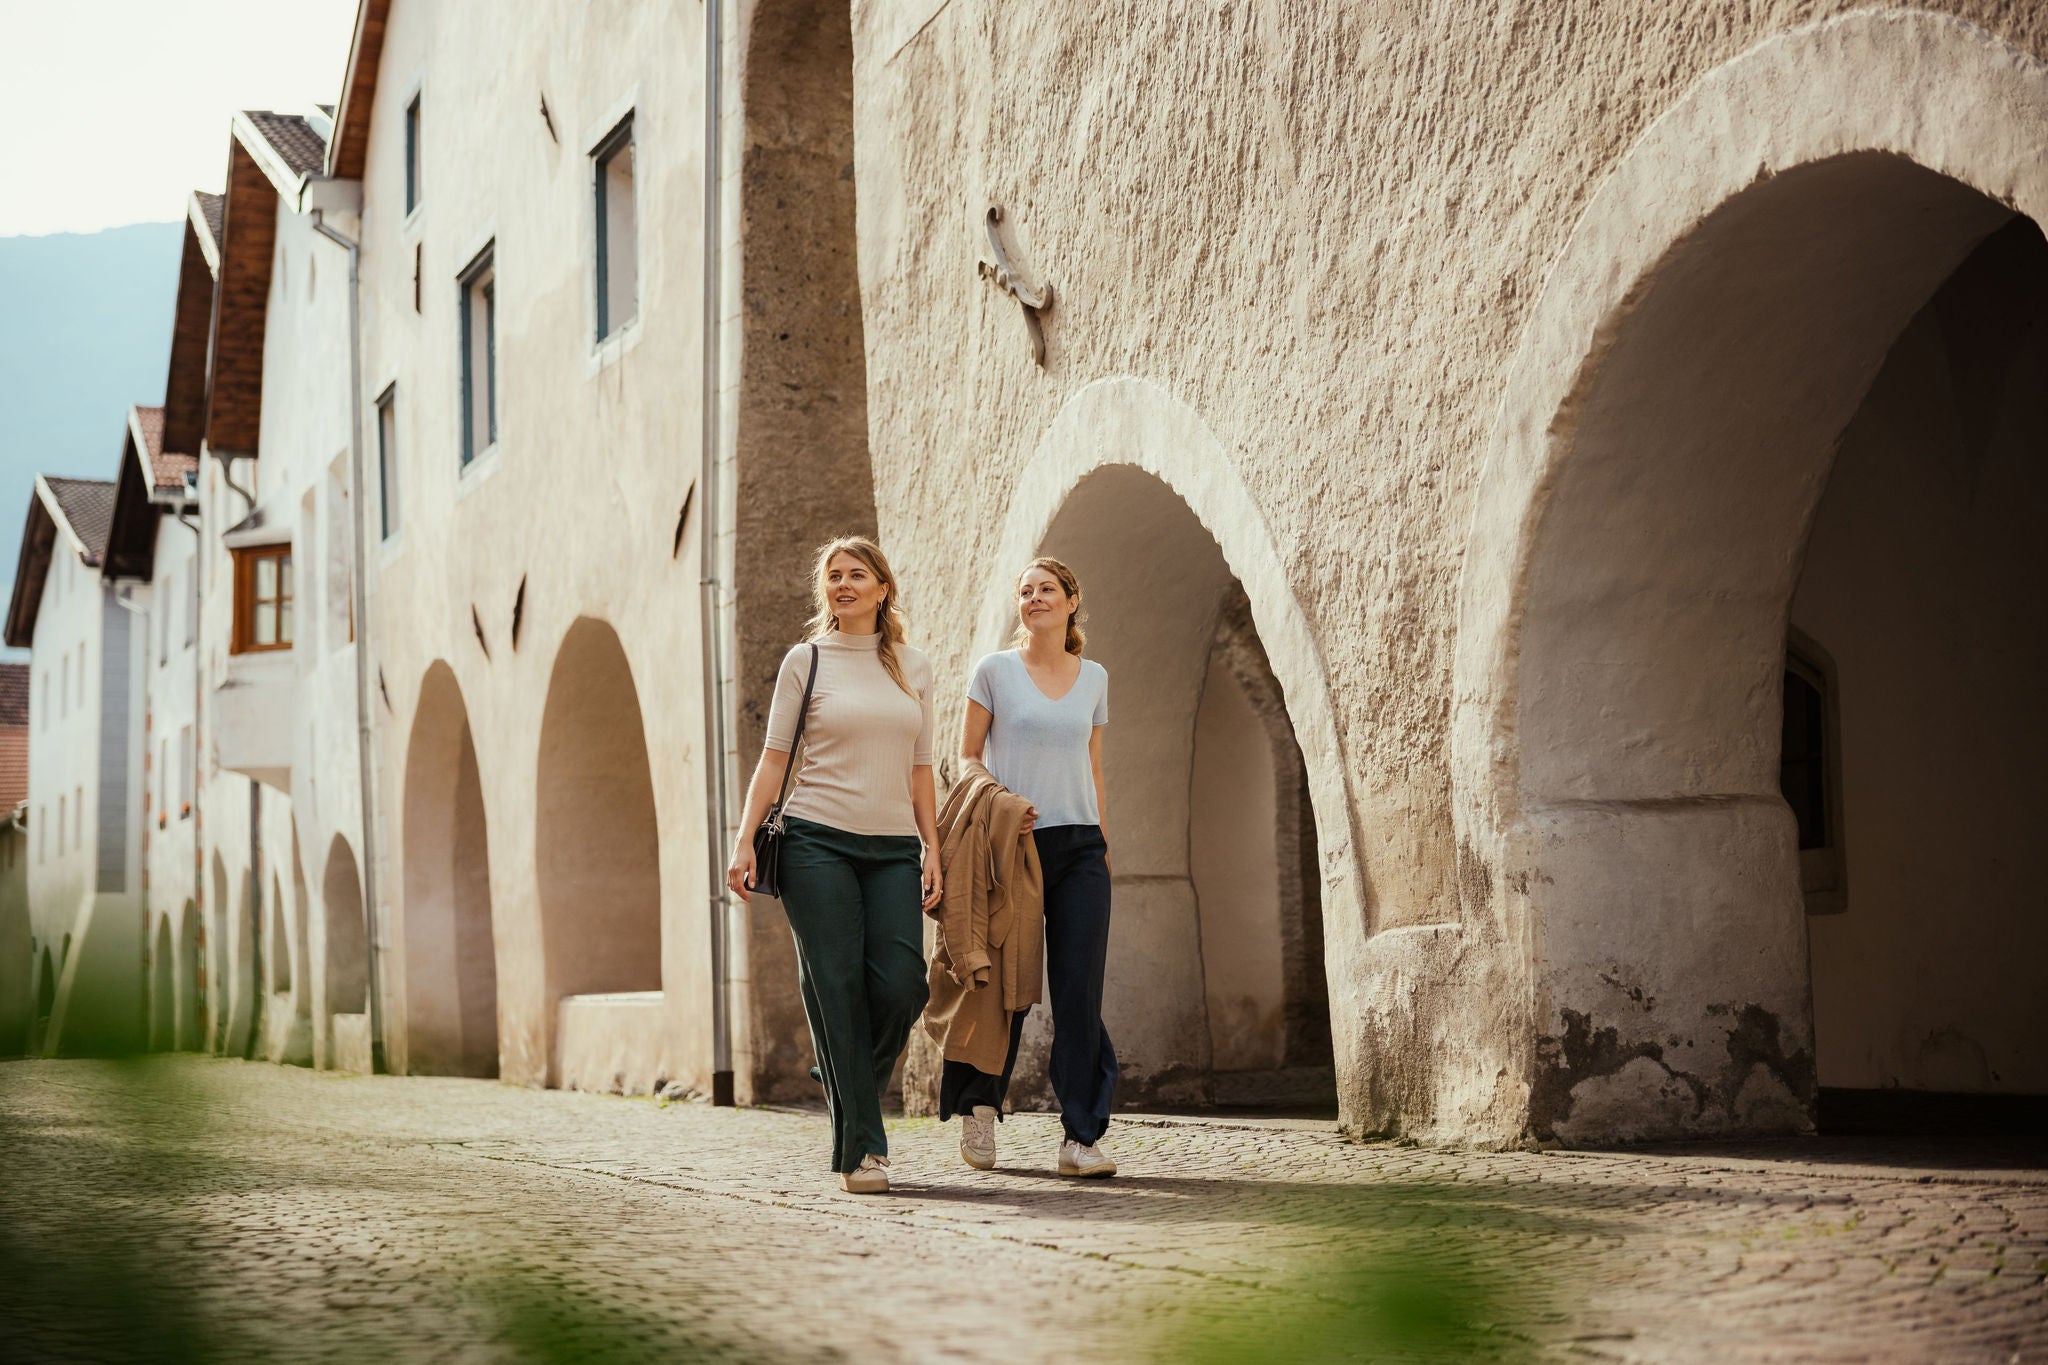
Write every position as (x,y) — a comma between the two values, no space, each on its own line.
(934,881)
(739,874)
(1030,820)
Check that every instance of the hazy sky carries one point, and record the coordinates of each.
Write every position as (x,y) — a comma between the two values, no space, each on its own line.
(112,111)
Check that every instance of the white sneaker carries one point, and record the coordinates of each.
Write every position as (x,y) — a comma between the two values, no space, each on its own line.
(871,1178)
(978,1138)
(1088,1161)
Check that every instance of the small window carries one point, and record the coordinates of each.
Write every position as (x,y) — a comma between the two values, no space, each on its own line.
(1810,775)
(412,155)
(263,599)
(479,357)
(387,462)
(618,272)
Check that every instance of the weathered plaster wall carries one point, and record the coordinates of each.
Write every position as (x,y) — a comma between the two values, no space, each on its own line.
(575,512)
(1334,267)
(1920,581)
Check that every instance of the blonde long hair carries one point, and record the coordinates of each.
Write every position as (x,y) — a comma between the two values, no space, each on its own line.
(1071,586)
(888,621)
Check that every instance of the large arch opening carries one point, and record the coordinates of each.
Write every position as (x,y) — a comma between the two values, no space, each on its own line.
(348,945)
(1764,687)
(451,968)
(192,1010)
(163,987)
(1215,991)
(597,849)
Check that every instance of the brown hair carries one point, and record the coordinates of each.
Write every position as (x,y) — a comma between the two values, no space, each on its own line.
(1071,586)
(888,621)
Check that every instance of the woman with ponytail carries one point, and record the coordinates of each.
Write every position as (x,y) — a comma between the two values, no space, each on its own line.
(1035,714)
(859,858)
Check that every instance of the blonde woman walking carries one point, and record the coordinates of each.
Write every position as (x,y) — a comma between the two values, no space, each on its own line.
(1038,709)
(859,859)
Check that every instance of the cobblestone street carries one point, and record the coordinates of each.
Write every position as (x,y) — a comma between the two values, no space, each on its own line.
(229,1210)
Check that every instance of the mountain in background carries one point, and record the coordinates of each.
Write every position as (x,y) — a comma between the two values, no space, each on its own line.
(85,330)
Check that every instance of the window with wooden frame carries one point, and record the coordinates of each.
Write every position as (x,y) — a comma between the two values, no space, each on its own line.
(263,599)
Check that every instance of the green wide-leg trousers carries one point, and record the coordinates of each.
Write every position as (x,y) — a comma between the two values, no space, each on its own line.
(855,903)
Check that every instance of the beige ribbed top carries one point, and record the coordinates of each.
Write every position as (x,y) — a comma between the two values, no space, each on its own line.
(863,735)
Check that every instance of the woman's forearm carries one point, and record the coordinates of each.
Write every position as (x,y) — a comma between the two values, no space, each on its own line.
(761,791)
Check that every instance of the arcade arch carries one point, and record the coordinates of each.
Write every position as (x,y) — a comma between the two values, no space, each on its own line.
(347,956)
(163,1018)
(597,850)
(1750,403)
(192,1009)
(451,970)
(1231,998)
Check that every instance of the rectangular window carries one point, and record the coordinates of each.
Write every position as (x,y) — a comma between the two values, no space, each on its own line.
(185,770)
(479,356)
(618,272)
(387,462)
(412,155)
(263,599)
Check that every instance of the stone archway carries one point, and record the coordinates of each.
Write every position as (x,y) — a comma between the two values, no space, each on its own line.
(451,969)
(163,988)
(192,1008)
(347,956)
(597,850)
(1670,428)
(1127,443)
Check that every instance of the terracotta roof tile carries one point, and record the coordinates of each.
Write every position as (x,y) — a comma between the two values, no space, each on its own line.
(167,472)
(294,140)
(13,695)
(88,504)
(213,207)
(13,764)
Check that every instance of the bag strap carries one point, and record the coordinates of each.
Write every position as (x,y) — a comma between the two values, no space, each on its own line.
(802,713)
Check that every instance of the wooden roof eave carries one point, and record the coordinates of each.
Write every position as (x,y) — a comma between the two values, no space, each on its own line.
(346,149)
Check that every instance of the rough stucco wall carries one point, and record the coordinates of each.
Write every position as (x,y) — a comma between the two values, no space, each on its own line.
(1916,581)
(1332,263)
(801,424)
(597,450)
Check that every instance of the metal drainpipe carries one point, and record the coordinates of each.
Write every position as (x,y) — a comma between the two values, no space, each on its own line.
(198,679)
(717,794)
(261,998)
(359,601)
(125,600)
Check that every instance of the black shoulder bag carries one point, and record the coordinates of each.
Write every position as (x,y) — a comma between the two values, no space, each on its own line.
(768,838)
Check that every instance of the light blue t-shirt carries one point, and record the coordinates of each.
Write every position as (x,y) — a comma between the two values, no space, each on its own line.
(1038,747)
